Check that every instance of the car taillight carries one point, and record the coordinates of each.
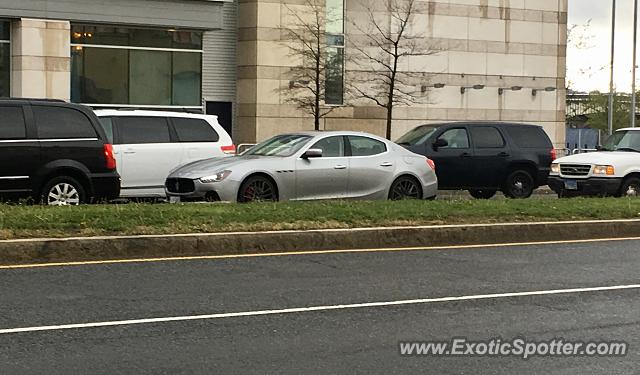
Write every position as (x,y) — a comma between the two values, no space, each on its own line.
(110,160)
(554,154)
(231,150)
(431,164)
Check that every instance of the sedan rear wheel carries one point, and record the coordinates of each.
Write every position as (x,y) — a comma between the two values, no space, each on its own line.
(405,187)
(257,189)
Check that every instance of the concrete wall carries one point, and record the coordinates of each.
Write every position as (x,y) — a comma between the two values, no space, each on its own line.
(40,59)
(496,43)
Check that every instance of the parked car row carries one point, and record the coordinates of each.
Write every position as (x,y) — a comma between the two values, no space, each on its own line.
(60,153)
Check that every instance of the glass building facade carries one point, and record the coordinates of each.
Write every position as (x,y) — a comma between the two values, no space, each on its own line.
(5,59)
(113,65)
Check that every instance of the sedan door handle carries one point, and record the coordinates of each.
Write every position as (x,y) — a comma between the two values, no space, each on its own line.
(340,167)
(129,152)
(386,164)
(465,155)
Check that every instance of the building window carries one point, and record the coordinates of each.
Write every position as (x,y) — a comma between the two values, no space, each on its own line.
(334,85)
(114,65)
(5,59)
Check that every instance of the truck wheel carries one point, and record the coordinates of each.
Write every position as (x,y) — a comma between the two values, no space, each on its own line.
(519,185)
(630,187)
(482,194)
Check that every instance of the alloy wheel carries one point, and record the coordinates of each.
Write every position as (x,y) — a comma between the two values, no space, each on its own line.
(405,188)
(259,190)
(63,194)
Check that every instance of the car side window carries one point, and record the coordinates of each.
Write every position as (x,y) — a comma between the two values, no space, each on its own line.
(62,123)
(456,138)
(138,130)
(194,130)
(332,147)
(486,137)
(364,146)
(12,125)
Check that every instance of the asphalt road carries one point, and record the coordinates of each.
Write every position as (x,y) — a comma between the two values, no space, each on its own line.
(331,340)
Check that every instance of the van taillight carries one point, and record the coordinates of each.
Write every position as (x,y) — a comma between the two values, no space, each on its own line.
(109,158)
(431,164)
(231,150)
(554,154)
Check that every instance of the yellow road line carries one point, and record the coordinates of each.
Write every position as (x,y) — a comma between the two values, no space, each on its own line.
(313,252)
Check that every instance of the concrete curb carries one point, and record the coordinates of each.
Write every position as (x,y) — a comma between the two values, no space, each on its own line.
(16,252)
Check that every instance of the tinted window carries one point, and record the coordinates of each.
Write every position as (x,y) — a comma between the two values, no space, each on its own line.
(194,130)
(529,136)
(136,130)
(486,137)
(62,123)
(363,146)
(332,147)
(107,125)
(456,138)
(12,123)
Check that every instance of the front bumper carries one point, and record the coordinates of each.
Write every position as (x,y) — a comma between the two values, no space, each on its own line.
(588,186)
(194,189)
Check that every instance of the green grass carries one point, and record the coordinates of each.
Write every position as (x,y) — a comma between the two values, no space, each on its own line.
(19,221)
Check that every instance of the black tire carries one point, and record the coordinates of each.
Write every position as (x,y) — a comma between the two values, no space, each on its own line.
(63,191)
(519,185)
(405,187)
(482,193)
(630,187)
(258,189)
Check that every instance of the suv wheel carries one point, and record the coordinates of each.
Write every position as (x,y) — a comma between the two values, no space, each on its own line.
(63,191)
(630,187)
(482,193)
(519,185)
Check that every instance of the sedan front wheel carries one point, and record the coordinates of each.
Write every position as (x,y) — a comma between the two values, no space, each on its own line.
(257,189)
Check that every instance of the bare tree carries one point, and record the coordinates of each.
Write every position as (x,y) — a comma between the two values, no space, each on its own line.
(306,39)
(382,46)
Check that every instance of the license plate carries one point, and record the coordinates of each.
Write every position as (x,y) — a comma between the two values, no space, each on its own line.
(173,199)
(571,184)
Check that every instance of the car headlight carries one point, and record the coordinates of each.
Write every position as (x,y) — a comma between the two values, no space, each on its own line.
(555,168)
(605,170)
(216,177)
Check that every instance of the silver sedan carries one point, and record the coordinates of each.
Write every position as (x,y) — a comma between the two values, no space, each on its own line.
(306,166)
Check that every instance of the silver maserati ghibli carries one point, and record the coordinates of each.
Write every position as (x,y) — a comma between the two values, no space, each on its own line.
(306,166)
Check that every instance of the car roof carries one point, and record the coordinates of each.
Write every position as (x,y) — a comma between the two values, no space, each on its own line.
(148,113)
(482,122)
(625,129)
(333,132)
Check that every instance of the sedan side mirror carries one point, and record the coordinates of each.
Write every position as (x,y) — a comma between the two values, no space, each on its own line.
(312,153)
(440,143)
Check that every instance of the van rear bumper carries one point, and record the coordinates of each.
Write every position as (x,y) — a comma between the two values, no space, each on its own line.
(589,186)
(105,186)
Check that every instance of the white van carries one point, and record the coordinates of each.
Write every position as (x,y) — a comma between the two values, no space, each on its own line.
(149,144)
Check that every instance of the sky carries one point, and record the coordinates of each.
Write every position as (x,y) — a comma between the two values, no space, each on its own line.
(589,48)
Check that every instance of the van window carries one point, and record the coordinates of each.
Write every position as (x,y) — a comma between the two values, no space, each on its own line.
(194,130)
(486,137)
(138,130)
(12,123)
(107,125)
(529,136)
(62,123)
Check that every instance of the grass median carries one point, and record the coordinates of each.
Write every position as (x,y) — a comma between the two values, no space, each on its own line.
(20,221)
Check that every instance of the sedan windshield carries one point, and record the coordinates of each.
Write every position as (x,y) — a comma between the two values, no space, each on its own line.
(281,145)
(417,136)
(628,140)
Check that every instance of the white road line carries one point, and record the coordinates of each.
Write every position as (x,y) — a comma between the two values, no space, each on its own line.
(314,308)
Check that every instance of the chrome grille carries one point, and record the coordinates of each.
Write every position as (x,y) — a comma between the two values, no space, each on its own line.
(575,169)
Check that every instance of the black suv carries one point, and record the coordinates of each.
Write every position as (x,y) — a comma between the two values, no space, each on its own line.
(55,153)
(484,157)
